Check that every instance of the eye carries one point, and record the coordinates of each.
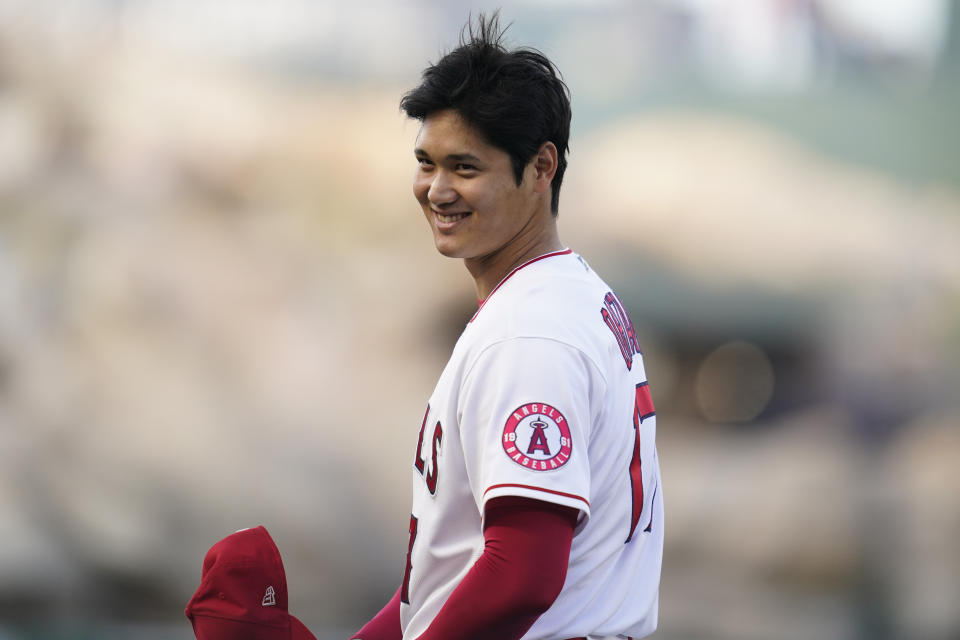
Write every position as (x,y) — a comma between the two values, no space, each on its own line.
(424,163)
(464,167)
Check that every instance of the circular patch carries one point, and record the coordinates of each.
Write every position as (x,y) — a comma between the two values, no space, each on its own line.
(537,437)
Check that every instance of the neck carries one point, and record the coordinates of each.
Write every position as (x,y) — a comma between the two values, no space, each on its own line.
(489,270)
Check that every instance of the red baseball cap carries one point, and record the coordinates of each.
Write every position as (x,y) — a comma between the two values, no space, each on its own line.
(243,592)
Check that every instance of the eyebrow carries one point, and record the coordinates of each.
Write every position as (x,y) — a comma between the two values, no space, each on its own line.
(452,157)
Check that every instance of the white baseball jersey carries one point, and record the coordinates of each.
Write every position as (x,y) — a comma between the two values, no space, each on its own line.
(545,396)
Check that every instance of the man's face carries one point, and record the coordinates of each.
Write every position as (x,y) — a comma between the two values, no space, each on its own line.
(468,190)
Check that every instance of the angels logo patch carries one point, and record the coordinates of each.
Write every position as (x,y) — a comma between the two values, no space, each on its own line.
(537,437)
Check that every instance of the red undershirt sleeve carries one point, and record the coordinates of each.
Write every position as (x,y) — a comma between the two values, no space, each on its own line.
(385,625)
(518,576)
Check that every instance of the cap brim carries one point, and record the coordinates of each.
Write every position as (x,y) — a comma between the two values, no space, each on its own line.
(207,628)
(211,628)
(298,631)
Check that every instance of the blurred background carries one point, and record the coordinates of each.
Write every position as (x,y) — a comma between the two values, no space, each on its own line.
(220,306)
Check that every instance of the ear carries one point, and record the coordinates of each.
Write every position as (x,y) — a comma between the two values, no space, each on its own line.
(545,166)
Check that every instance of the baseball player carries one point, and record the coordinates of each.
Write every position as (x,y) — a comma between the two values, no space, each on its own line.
(537,502)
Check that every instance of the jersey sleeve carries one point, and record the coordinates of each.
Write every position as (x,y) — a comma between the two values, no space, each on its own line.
(525,414)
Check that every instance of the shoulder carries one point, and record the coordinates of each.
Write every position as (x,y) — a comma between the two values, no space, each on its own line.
(558,299)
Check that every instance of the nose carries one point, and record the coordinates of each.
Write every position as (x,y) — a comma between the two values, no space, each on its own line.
(441,191)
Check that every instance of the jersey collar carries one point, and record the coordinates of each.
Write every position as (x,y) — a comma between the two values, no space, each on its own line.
(482,302)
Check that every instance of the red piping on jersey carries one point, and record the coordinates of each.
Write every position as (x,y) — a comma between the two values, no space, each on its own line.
(526,486)
(507,277)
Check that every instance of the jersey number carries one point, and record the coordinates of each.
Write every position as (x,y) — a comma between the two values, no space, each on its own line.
(642,409)
(405,588)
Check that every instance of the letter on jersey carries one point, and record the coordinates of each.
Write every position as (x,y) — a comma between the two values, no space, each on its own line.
(616,318)
(420,463)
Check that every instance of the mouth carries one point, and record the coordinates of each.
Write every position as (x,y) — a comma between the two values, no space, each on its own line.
(445,220)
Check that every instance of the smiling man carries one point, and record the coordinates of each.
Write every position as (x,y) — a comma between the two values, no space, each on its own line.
(537,502)
(477,208)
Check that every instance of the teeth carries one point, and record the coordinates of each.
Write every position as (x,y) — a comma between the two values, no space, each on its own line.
(451,218)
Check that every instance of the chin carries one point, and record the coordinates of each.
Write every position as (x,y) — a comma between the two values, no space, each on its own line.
(448,251)
(447,248)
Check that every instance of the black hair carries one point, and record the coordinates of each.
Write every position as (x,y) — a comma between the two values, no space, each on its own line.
(515,98)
